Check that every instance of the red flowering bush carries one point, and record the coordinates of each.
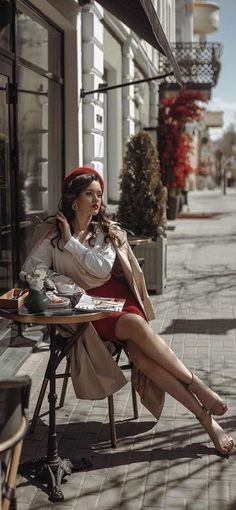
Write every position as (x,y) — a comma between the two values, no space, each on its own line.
(175,145)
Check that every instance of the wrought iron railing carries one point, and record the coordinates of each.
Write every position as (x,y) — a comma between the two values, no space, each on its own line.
(199,64)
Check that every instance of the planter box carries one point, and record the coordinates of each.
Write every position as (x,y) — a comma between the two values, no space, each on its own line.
(155,263)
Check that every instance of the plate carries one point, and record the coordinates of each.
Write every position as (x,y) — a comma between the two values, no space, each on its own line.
(60,305)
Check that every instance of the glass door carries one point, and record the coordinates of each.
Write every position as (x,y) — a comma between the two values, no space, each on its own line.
(6,223)
(39,122)
(31,130)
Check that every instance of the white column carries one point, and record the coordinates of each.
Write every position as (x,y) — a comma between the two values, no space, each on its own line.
(128,93)
(93,70)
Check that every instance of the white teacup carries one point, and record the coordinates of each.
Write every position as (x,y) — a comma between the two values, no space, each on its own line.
(65,288)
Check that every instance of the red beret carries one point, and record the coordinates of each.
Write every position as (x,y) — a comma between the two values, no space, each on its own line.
(82,170)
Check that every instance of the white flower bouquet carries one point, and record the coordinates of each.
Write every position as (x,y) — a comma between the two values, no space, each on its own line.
(37,279)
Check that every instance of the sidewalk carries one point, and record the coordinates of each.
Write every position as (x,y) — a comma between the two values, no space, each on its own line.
(170,465)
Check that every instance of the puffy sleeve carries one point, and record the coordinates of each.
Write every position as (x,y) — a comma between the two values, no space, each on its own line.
(40,257)
(98,259)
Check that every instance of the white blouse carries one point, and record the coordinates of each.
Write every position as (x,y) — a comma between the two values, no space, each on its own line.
(89,266)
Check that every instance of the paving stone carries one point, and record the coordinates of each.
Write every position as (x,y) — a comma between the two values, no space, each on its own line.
(170,465)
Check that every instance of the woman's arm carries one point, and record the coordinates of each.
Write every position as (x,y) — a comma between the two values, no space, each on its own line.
(97,260)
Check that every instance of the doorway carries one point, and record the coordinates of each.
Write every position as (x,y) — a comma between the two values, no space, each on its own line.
(7,221)
(31,131)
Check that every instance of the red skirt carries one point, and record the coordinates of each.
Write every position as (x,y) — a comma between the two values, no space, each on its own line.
(117,289)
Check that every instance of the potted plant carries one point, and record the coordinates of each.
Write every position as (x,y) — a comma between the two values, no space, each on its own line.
(142,206)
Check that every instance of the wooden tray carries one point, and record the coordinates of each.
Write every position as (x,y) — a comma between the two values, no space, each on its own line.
(10,299)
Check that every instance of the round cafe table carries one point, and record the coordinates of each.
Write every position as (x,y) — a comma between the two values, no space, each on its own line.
(51,469)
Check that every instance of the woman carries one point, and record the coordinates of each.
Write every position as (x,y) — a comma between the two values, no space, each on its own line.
(85,246)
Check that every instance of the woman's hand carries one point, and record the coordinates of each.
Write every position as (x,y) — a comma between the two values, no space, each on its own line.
(64,227)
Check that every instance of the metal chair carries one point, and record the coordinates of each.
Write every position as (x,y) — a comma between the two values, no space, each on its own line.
(14,401)
(63,352)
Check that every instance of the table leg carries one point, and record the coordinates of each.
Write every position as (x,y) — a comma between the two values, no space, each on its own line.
(54,468)
(50,470)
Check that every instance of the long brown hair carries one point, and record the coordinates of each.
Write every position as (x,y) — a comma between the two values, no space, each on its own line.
(100,221)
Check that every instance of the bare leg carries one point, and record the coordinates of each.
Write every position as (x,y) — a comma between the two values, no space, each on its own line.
(134,328)
(169,383)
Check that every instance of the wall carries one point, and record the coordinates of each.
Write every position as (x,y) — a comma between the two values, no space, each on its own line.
(93,71)
(184,21)
(111,52)
(113,115)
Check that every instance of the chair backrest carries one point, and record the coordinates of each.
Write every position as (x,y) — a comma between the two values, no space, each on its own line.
(14,403)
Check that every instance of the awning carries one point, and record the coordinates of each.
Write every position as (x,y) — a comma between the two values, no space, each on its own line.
(141,17)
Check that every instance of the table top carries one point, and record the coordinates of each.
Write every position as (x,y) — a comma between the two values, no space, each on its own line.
(59,316)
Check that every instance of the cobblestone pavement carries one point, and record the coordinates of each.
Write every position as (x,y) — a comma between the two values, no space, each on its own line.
(170,465)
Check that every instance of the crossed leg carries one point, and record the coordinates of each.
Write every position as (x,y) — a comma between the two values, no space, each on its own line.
(155,359)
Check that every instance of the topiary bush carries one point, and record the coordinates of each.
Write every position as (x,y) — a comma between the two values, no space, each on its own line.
(142,203)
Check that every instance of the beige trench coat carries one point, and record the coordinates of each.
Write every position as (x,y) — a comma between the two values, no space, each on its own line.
(95,374)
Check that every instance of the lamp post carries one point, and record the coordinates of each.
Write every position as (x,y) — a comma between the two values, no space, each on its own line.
(219,165)
(225,176)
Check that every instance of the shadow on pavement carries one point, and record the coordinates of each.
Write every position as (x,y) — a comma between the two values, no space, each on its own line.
(81,440)
(200,326)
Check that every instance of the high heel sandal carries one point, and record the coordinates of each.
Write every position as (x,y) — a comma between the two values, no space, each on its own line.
(223,443)
(208,398)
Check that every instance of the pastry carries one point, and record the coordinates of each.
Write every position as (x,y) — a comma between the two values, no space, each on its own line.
(53,299)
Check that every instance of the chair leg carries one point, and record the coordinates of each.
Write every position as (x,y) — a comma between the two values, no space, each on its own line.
(135,404)
(65,383)
(11,478)
(38,405)
(112,421)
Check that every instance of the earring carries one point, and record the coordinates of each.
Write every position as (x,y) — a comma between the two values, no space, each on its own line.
(74,206)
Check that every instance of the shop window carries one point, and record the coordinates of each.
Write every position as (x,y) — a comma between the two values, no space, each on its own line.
(31,129)
(39,44)
(40,121)
(5,24)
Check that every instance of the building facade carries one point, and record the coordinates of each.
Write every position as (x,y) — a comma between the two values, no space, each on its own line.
(199,62)
(49,52)
(113,54)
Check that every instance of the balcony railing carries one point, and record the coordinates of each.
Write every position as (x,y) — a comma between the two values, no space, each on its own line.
(199,65)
